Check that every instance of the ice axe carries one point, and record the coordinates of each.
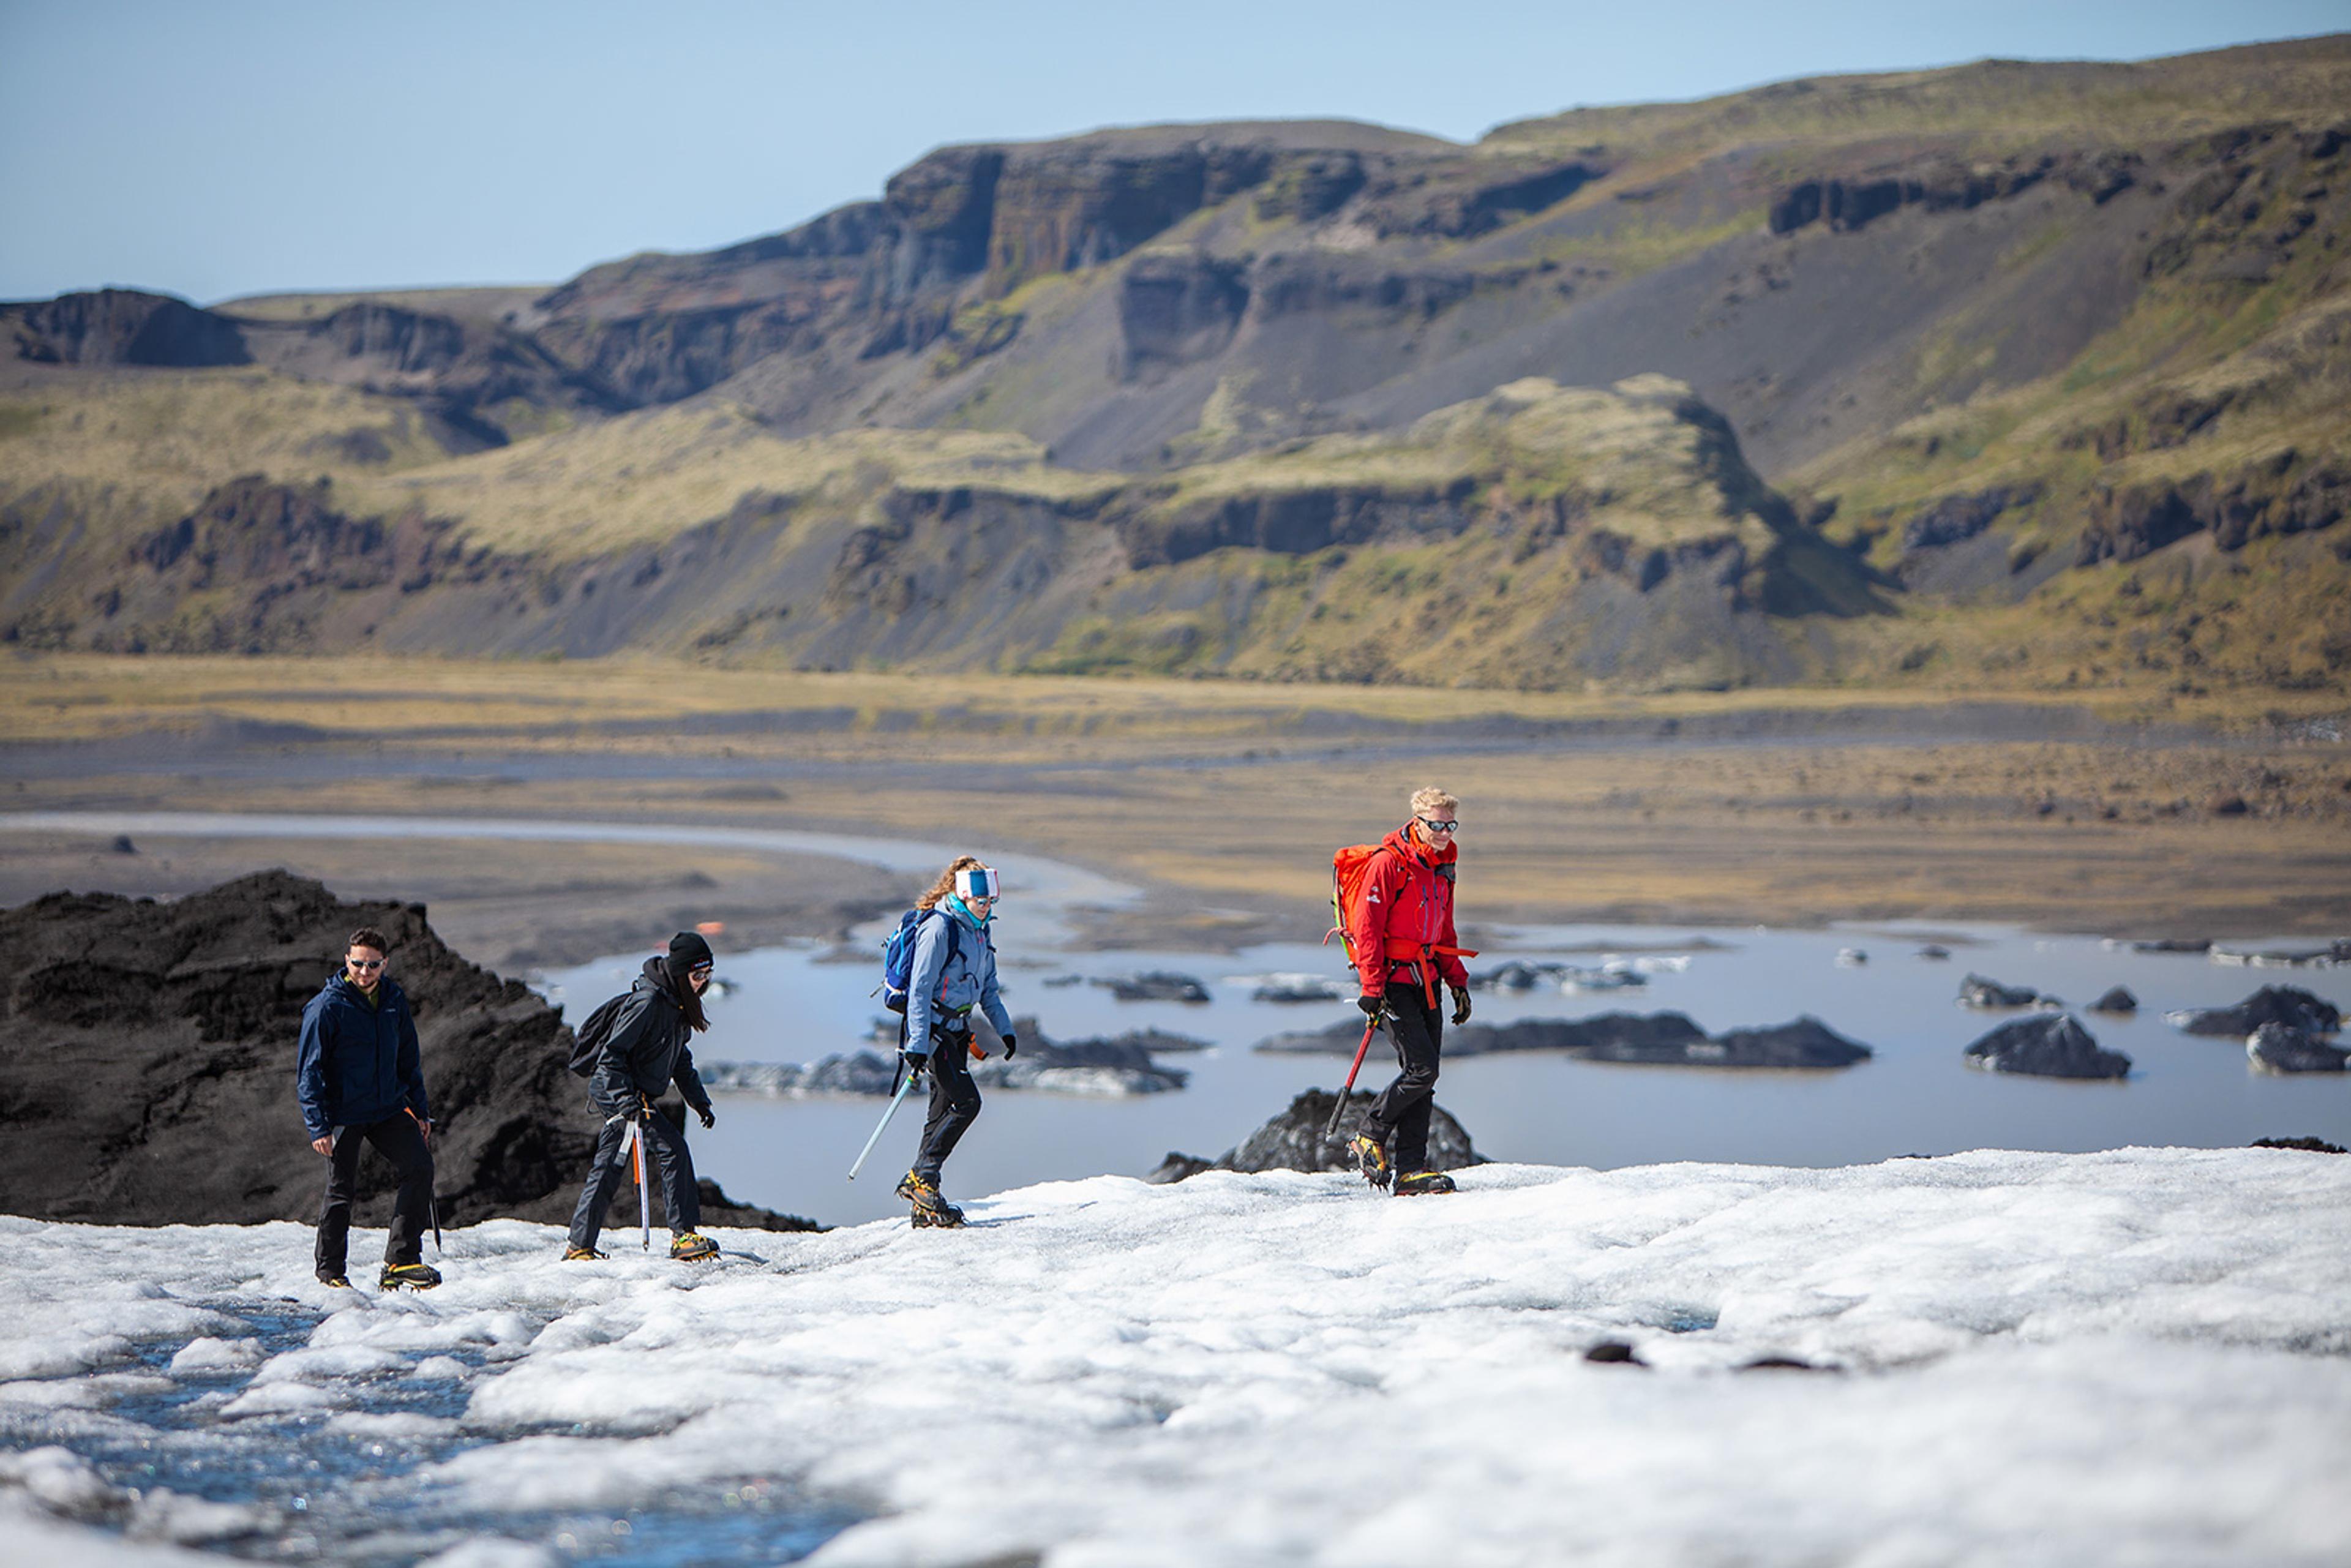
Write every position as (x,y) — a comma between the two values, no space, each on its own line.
(905,1087)
(1330,1132)
(635,1137)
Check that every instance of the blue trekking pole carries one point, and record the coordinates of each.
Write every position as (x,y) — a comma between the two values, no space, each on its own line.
(905,1087)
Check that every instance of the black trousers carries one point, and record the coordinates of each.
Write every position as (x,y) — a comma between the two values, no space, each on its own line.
(666,1151)
(1399,1117)
(955,1100)
(397,1139)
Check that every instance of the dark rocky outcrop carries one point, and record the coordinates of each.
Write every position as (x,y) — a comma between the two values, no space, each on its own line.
(1850,202)
(1664,1039)
(1174,310)
(1157,986)
(1293,1141)
(2307,1146)
(123,326)
(2278,497)
(1977,991)
(2117,999)
(147,1063)
(1955,518)
(2271,1004)
(1122,1065)
(1296,522)
(2051,1046)
(2283,1048)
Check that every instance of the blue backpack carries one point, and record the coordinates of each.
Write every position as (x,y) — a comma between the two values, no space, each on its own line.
(898,955)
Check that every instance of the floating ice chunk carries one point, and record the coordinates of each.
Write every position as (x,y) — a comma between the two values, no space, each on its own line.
(278,1399)
(163,1514)
(494,1551)
(210,1355)
(61,1481)
(402,1423)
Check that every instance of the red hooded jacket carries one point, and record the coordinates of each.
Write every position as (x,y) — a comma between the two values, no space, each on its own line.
(1402,929)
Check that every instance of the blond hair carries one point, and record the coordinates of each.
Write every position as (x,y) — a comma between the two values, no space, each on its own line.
(1434,803)
(946,884)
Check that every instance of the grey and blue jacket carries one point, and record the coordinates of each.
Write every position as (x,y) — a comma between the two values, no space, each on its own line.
(940,990)
(359,1061)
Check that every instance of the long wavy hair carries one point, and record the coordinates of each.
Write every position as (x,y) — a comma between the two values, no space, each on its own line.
(946,884)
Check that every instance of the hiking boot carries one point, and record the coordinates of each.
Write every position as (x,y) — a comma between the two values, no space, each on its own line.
(334,1279)
(1371,1159)
(584,1255)
(409,1277)
(930,1209)
(692,1248)
(1415,1183)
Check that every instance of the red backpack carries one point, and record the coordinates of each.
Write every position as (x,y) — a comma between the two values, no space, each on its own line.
(1350,869)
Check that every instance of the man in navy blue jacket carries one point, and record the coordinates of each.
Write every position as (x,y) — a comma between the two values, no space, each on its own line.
(360,1079)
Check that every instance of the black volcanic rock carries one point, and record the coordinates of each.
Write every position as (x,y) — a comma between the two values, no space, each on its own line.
(1122,1065)
(1158,985)
(2271,1004)
(147,1063)
(2117,999)
(1293,1141)
(2282,1048)
(1976,991)
(1662,1040)
(2052,1046)
(1807,1043)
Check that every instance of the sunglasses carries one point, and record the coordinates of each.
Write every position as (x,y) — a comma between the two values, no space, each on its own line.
(1449,825)
(364,963)
(699,969)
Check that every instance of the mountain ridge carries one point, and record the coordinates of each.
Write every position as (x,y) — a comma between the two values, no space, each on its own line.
(1999,338)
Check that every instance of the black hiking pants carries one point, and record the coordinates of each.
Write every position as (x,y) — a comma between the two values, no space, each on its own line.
(666,1152)
(1399,1117)
(397,1139)
(955,1100)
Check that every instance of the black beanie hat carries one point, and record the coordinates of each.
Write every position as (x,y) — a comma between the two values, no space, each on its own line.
(688,952)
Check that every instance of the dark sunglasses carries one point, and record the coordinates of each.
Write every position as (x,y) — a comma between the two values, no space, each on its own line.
(699,969)
(364,963)
(1449,825)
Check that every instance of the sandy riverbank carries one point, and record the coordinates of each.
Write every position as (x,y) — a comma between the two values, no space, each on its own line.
(1225,802)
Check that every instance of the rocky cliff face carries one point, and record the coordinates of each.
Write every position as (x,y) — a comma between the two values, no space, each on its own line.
(1971,339)
(147,1060)
(122,327)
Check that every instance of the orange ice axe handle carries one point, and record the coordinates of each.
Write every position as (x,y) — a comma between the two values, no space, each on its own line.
(1330,1132)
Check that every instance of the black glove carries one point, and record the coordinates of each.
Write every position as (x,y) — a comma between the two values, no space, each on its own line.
(709,1117)
(916,1060)
(1460,1003)
(1371,1005)
(1011,1044)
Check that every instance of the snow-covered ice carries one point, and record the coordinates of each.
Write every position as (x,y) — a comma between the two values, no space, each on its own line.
(2142,1356)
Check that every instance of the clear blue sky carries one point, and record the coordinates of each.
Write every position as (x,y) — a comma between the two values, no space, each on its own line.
(212,148)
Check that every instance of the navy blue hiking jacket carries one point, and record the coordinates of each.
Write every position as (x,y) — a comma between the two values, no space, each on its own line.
(358,1062)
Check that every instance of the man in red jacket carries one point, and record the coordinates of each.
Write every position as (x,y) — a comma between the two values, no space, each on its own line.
(1401,932)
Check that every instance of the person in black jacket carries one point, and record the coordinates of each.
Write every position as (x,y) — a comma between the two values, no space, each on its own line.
(644,1054)
(360,1079)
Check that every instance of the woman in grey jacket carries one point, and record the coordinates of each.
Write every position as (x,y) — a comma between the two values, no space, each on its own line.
(952,973)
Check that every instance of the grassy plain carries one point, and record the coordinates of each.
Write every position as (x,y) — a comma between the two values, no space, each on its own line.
(1226,798)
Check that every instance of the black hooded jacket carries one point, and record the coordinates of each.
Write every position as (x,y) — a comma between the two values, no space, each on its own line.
(646,1051)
